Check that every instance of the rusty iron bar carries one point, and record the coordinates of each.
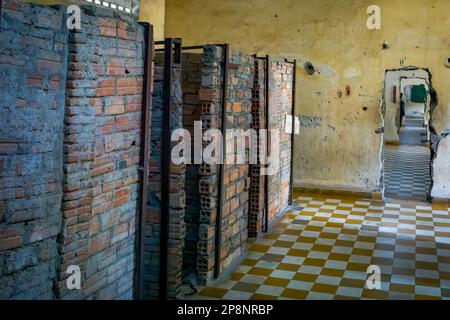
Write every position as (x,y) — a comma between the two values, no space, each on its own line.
(145,151)
(172,56)
(165,170)
(266,115)
(218,238)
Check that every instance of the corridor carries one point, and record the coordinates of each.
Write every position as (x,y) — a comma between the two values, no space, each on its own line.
(324,250)
(407,166)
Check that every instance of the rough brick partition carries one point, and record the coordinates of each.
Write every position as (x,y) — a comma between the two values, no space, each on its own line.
(177,227)
(101,154)
(280,95)
(210,96)
(69,151)
(192,64)
(236,182)
(33,55)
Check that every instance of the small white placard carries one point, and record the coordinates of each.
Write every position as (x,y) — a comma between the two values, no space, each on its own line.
(288,125)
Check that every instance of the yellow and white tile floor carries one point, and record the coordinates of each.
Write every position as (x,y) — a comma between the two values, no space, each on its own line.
(324,250)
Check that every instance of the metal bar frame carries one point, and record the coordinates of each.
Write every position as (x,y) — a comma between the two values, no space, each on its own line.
(1,2)
(172,56)
(267,113)
(145,150)
(266,59)
(294,80)
(218,237)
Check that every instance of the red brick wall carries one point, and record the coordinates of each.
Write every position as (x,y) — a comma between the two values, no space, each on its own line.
(236,182)
(101,155)
(280,97)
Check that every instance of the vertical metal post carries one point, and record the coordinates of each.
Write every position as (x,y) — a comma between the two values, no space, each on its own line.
(145,151)
(291,185)
(165,169)
(218,238)
(1,1)
(267,113)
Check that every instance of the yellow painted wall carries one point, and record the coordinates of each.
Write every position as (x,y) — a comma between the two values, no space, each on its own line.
(153,11)
(344,151)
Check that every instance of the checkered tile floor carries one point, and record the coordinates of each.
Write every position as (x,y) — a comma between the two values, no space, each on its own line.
(407,172)
(324,250)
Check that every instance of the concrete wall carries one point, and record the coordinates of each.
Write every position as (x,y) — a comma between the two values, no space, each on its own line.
(338,147)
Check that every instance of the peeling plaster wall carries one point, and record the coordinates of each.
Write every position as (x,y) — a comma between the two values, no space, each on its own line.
(441,183)
(342,150)
(153,11)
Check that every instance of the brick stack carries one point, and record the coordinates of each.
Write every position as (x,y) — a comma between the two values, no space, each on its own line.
(33,59)
(281,82)
(257,195)
(210,96)
(101,154)
(236,182)
(192,109)
(177,227)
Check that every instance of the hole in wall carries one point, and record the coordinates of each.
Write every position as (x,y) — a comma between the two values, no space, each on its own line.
(408,109)
(309,67)
(348,91)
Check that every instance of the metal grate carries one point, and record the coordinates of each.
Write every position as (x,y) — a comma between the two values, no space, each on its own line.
(125,6)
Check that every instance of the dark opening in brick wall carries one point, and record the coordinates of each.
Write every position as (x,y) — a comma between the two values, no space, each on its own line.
(192,64)
(177,226)
(257,182)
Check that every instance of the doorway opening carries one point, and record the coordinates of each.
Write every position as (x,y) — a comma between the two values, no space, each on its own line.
(407,151)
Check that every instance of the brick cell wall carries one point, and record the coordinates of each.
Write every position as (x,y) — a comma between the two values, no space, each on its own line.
(281,82)
(33,55)
(257,195)
(177,227)
(210,96)
(101,154)
(192,109)
(236,181)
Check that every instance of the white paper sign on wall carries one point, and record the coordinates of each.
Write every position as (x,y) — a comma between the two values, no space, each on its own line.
(288,125)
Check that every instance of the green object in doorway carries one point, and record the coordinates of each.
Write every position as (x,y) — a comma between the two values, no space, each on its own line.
(418,94)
